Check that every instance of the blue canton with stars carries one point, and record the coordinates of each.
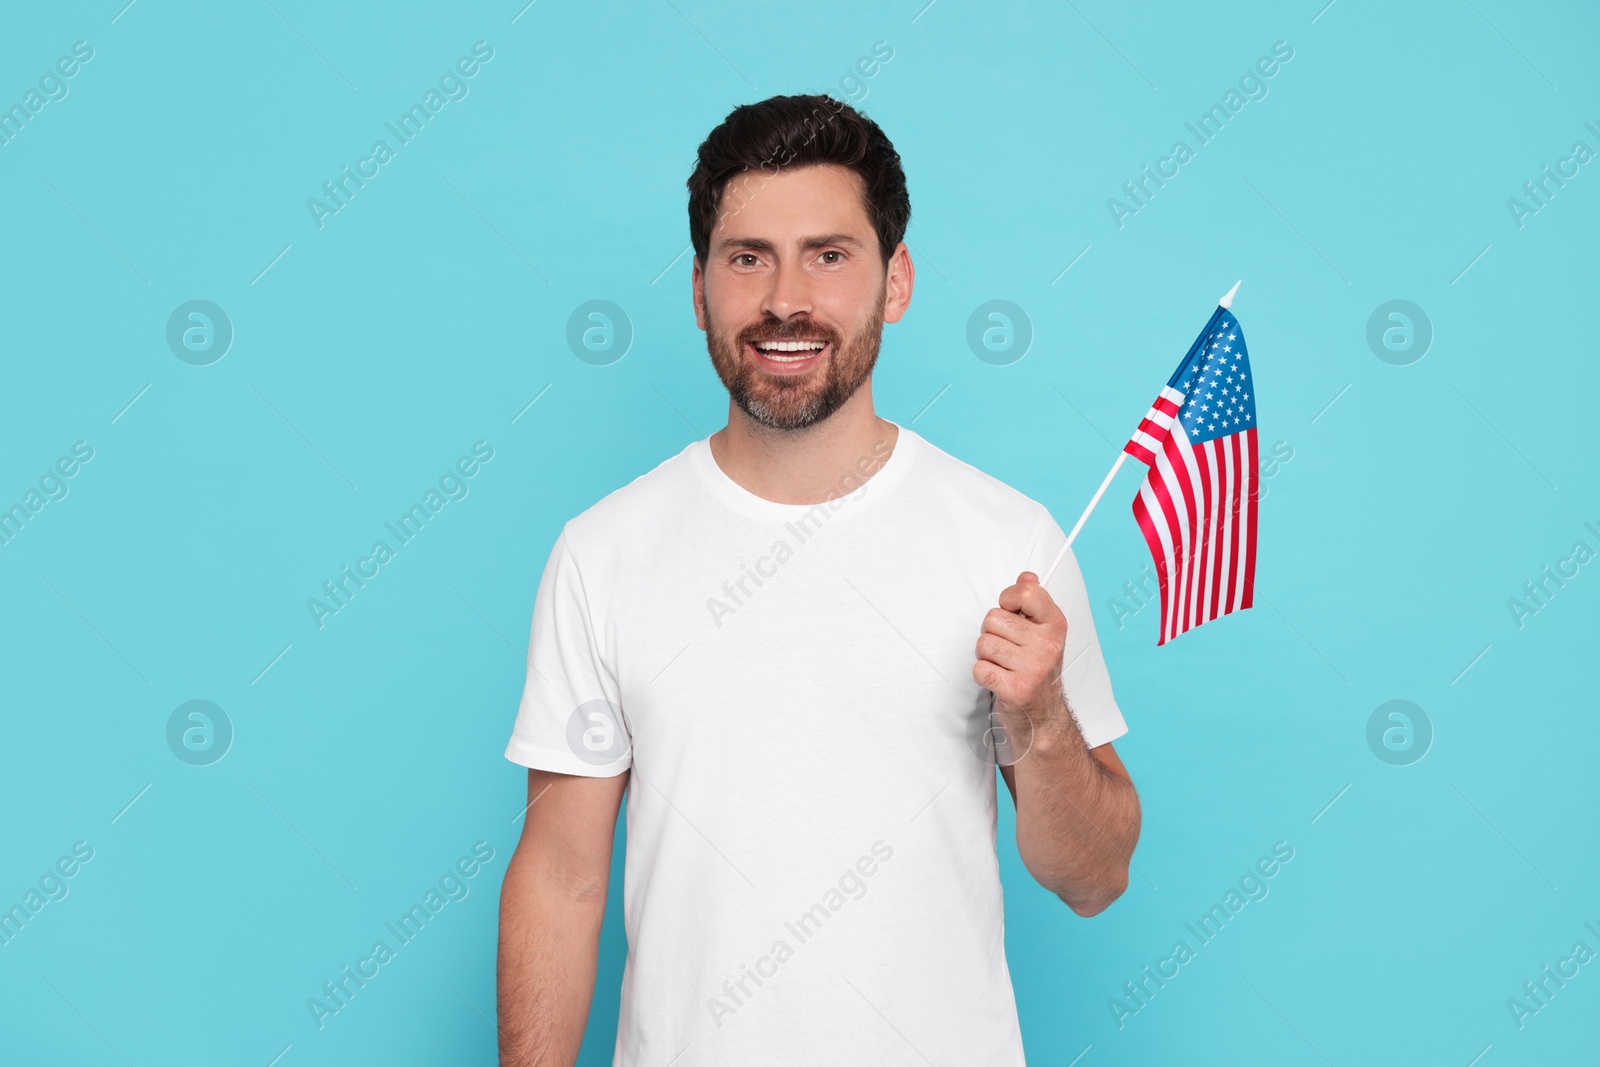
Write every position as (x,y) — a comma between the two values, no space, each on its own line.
(1215,380)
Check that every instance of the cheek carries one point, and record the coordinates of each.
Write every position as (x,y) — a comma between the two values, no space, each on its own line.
(731,303)
(858,322)
(726,325)
(857,302)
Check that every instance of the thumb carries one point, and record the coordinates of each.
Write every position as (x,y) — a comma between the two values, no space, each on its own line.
(1027,576)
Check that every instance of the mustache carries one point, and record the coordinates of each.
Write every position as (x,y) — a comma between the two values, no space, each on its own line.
(790,331)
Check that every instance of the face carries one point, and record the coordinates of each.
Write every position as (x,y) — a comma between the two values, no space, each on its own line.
(794,294)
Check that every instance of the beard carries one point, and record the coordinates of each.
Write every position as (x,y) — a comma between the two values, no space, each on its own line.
(795,401)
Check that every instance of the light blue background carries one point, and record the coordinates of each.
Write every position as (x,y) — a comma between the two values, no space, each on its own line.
(428,313)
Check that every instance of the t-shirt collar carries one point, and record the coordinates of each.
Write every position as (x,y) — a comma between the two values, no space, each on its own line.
(747,503)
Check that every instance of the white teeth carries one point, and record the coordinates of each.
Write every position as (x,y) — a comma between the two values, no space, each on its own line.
(790,346)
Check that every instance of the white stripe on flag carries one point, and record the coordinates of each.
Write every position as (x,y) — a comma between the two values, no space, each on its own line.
(1147,441)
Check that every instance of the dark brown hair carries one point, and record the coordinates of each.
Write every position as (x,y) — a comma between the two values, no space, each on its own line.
(757,141)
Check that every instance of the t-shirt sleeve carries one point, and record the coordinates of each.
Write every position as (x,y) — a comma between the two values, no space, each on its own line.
(570,717)
(1084,678)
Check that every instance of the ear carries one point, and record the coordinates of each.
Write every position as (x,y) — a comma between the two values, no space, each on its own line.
(697,283)
(898,282)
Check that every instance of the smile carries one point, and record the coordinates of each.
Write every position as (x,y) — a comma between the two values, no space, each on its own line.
(788,355)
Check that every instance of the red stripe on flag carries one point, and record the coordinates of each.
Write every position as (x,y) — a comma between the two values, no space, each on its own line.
(1140,453)
(1235,483)
(1152,540)
(1253,472)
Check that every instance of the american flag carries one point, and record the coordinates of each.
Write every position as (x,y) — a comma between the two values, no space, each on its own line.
(1197,506)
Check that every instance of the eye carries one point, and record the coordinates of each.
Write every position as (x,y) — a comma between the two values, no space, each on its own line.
(742,256)
(833,252)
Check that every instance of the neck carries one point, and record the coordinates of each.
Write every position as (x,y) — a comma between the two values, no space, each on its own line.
(811,465)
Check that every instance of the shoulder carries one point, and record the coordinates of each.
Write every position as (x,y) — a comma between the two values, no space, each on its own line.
(632,509)
(976,495)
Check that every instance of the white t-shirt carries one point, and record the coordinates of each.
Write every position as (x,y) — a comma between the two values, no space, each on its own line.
(810,873)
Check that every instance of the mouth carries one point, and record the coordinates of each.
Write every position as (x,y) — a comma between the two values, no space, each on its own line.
(788,357)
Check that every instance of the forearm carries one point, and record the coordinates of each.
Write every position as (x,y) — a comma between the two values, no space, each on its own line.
(549,945)
(1077,821)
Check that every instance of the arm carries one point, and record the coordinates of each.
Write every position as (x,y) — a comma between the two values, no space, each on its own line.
(551,907)
(1077,811)
(1077,818)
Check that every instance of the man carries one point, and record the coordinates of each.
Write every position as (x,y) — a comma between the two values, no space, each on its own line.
(776,640)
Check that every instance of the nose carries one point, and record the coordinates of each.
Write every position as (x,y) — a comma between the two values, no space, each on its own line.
(790,294)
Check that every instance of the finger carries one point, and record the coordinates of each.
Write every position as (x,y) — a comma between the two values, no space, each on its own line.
(999,681)
(1009,687)
(1031,600)
(1006,624)
(1002,652)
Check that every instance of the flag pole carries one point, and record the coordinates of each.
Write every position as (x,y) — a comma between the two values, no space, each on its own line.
(1098,493)
(1225,302)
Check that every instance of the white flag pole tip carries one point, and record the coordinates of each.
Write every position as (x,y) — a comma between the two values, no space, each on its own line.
(1227,301)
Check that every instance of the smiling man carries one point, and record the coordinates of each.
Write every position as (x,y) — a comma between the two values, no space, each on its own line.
(802,645)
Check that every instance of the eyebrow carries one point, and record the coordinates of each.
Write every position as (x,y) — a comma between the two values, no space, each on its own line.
(761,244)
